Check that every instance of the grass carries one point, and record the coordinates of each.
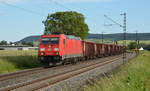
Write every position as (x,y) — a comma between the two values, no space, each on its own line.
(128,41)
(119,42)
(18,53)
(11,61)
(133,76)
(100,41)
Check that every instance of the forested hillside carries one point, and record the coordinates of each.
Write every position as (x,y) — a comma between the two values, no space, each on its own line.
(118,36)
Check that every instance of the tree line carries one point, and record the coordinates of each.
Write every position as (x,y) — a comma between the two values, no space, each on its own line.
(133,45)
(3,42)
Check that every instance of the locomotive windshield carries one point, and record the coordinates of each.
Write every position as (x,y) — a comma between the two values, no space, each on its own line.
(51,40)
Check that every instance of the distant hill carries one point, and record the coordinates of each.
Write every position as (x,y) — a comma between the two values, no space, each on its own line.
(119,36)
(114,37)
(30,39)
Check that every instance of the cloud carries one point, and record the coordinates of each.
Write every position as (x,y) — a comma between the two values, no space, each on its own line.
(11,1)
(78,1)
(65,1)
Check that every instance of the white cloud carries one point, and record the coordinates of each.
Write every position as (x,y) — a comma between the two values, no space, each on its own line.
(68,1)
(11,1)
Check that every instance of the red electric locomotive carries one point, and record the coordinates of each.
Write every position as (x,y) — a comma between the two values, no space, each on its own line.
(59,48)
(66,48)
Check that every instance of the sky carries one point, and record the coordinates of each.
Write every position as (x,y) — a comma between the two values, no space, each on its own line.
(22,18)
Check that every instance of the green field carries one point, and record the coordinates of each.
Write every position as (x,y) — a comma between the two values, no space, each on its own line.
(18,53)
(100,41)
(11,61)
(128,41)
(119,42)
(133,76)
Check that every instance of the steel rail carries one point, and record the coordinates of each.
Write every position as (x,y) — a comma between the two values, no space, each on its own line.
(70,74)
(18,74)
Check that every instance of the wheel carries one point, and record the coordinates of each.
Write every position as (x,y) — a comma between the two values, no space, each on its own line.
(74,61)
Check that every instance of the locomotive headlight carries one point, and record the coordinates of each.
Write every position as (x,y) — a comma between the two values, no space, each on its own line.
(42,53)
(56,49)
(42,49)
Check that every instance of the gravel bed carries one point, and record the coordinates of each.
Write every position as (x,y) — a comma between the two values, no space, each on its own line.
(48,72)
(76,83)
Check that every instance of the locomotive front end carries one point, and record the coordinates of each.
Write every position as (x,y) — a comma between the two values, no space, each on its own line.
(49,49)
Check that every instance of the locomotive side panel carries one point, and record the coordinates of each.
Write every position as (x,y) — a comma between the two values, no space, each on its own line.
(73,48)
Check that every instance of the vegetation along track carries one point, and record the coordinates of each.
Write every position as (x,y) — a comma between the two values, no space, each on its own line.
(50,80)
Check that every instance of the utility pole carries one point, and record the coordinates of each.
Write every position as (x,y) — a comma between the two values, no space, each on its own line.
(137,42)
(124,40)
(136,35)
(102,37)
(124,31)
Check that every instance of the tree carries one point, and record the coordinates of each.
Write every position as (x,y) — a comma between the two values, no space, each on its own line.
(132,45)
(148,47)
(144,45)
(11,43)
(69,23)
(3,42)
(28,43)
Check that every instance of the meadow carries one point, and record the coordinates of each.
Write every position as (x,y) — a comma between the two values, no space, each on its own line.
(18,53)
(12,61)
(141,41)
(133,76)
(100,41)
(119,42)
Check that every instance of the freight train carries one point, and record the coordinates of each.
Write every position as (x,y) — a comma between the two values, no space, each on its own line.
(64,49)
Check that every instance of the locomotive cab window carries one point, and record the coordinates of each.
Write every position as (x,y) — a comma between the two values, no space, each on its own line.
(52,40)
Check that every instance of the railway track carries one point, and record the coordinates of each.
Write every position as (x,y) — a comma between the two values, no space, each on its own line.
(50,80)
(23,73)
(20,73)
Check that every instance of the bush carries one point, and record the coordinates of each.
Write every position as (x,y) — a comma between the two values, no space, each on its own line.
(132,45)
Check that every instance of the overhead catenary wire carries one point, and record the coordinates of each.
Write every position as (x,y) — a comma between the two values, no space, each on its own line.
(115,23)
(38,13)
(23,9)
(124,30)
(61,5)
